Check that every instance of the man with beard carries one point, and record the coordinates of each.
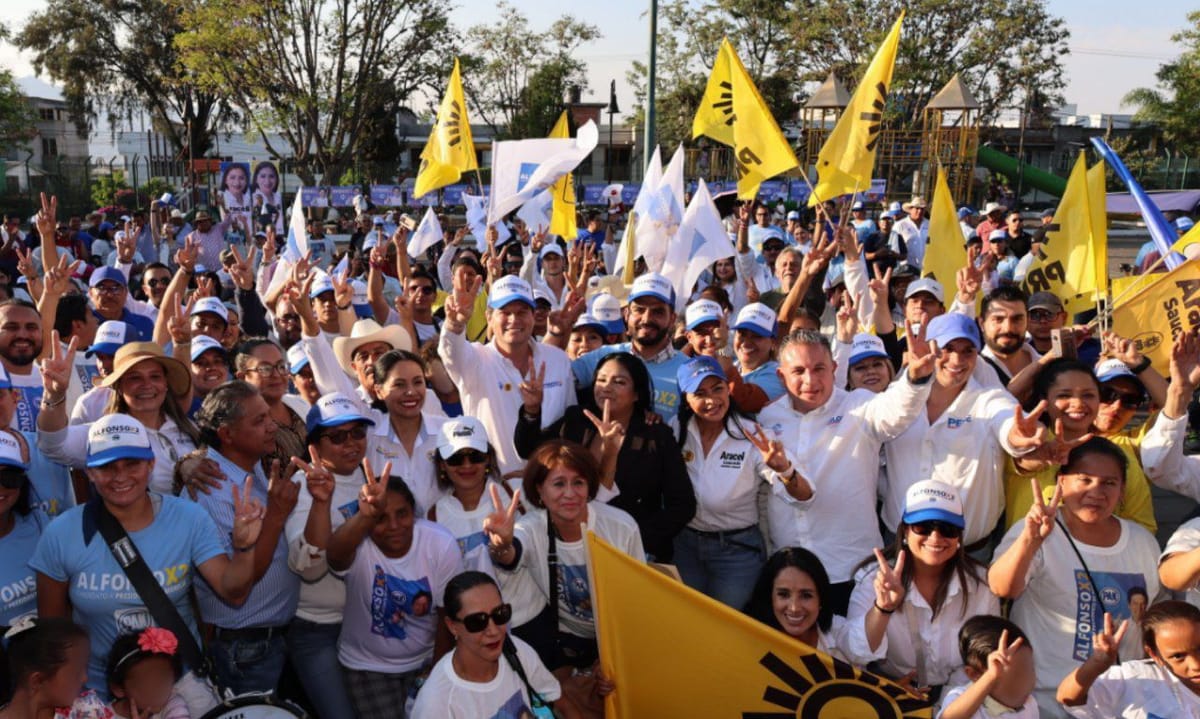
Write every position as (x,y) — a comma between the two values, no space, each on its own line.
(651,322)
(20,346)
(287,322)
(1004,322)
(489,376)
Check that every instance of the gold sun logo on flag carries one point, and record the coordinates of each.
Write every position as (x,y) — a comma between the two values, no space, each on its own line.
(453,124)
(725,104)
(876,117)
(816,688)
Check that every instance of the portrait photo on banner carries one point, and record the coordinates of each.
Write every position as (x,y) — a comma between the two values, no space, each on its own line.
(237,205)
(267,197)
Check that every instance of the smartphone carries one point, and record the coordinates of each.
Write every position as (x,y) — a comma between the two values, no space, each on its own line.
(1062,343)
(408,223)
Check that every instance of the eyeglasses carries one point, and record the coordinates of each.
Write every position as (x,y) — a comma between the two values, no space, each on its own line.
(156,282)
(357,432)
(1108,395)
(266,370)
(1041,315)
(13,478)
(423,290)
(473,456)
(947,530)
(477,622)
(109,289)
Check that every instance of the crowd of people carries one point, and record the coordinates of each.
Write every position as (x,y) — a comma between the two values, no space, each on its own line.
(368,491)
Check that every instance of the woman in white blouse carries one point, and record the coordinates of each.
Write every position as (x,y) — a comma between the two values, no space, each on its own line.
(909,604)
(788,596)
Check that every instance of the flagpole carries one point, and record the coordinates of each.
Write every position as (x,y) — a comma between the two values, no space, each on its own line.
(1134,289)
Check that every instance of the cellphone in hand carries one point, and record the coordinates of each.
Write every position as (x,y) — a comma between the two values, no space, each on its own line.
(408,223)
(1062,343)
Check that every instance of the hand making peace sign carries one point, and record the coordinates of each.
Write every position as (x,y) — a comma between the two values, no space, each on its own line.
(500,524)
(889,583)
(248,513)
(1039,520)
(771,449)
(372,498)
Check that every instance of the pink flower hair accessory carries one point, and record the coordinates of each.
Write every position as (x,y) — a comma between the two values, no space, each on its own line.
(158,641)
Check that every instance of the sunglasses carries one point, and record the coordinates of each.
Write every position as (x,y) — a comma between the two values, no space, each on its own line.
(158,282)
(477,622)
(13,478)
(473,456)
(339,437)
(1041,315)
(947,530)
(1108,395)
(422,290)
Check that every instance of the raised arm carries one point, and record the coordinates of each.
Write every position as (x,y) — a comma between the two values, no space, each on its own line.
(1010,571)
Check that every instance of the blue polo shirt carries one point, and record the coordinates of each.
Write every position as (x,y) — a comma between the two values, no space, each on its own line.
(767,378)
(141,324)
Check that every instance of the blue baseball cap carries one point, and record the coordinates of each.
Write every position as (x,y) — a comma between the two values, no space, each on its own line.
(333,410)
(932,501)
(1183,224)
(759,319)
(111,335)
(108,273)
(654,286)
(966,211)
(510,288)
(117,436)
(865,346)
(702,311)
(951,326)
(362,306)
(692,373)
(322,284)
(296,358)
(204,343)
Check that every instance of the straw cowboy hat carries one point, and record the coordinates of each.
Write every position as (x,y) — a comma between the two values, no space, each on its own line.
(179,380)
(364,332)
(917,201)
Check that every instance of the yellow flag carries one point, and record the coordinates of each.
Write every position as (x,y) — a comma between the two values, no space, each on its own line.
(1154,317)
(562,213)
(1097,201)
(733,113)
(945,250)
(1067,265)
(450,150)
(847,158)
(708,660)
(1189,238)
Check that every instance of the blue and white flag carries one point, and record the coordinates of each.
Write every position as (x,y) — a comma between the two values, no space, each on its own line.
(628,251)
(523,168)
(427,234)
(297,237)
(1160,230)
(477,220)
(661,213)
(700,242)
(536,213)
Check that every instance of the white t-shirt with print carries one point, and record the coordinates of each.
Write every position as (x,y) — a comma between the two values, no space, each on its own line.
(467,528)
(1059,609)
(1138,690)
(1185,539)
(1028,710)
(390,616)
(445,695)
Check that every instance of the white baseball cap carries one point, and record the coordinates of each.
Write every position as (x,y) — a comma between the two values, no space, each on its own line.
(296,358)
(865,346)
(117,436)
(362,306)
(461,433)
(926,284)
(210,304)
(653,285)
(204,343)
(757,318)
(702,311)
(510,288)
(550,248)
(323,283)
(111,335)
(931,500)
(10,452)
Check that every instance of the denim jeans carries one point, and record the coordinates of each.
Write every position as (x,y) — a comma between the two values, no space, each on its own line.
(723,565)
(245,666)
(313,650)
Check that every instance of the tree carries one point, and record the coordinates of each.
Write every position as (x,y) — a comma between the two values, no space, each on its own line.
(516,77)
(303,71)
(16,115)
(119,58)
(1004,50)
(1174,106)
(105,188)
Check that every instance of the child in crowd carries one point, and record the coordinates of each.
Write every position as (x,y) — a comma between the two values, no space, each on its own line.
(47,661)
(142,671)
(998,660)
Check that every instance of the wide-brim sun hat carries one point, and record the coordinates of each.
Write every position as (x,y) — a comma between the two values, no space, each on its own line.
(179,379)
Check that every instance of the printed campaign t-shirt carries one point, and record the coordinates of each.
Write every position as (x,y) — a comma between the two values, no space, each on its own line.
(445,695)
(29,399)
(182,537)
(390,617)
(18,584)
(467,528)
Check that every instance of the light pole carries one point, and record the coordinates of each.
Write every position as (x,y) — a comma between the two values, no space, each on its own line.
(612,110)
(652,72)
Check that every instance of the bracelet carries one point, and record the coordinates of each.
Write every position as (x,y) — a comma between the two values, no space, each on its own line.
(881,610)
(1141,366)
(50,404)
(243,550)
(342,309)
(557,334)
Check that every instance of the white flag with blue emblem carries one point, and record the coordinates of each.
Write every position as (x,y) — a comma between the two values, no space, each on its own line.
(700,242)
(628,246)
(523,168)
(661,213)
(477,220)
(297,238)
(427,234)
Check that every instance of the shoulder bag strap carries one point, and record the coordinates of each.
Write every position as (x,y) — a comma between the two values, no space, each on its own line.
(552,565)
(149,590)
(514,661)
(1086,570)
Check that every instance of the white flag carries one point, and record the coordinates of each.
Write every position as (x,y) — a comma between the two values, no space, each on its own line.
(477,220)
(701,241)
(661,213)
(297,239)
(628,245)
(536,213)
(523,168)
(427,234)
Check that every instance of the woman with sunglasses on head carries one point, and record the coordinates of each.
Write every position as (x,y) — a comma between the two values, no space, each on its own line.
(910,602)
(489,673)
(789,595)
(1067,397)
(1071,561)
(641,469)
(467,469)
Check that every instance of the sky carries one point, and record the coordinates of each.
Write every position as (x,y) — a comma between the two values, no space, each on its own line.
(1113,47)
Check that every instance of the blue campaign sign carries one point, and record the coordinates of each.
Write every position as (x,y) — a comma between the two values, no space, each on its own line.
(771,189)
(388,195)
(314,197)
(341,196)
(798,192)
(593,194)
(430,199)
(629,194)
(452,194)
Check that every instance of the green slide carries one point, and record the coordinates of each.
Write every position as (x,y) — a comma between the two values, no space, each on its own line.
(1008,166)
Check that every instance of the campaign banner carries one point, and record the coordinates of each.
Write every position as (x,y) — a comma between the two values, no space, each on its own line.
(629,194)
(452,194)
(342,196)
(314,196)
(799,191)
(594,194)
(772,190)
(388,195)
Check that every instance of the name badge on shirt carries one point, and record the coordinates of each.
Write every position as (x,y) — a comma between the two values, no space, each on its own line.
(732,460)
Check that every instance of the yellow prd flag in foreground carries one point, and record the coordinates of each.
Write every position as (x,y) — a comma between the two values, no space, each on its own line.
(733,113)
(1097,202)
(673,652)
(1154,317)
(562,213)
(945,250)
(1067,264)
(846,159)
(451,149)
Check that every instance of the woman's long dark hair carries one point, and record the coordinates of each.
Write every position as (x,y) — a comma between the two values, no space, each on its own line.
(736,420)
(965,566)
(643,386)
(1046,377)
(760,605)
